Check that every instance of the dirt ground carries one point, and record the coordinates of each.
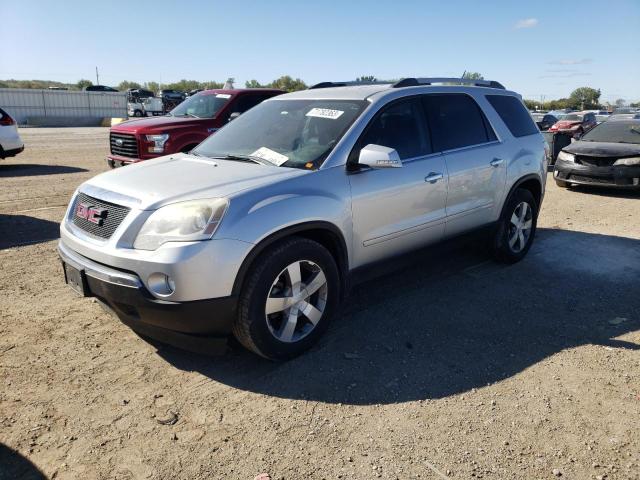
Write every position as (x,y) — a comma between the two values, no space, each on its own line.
(451,367)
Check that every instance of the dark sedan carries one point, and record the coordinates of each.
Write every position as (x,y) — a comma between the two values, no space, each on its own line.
(608,155)
(545,122)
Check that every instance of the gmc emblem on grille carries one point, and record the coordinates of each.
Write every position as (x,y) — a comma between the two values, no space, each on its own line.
(91,214)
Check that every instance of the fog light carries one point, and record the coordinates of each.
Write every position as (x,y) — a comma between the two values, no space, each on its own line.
(161,284)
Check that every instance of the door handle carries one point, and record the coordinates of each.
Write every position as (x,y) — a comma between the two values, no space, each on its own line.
(433,177)
(495,162)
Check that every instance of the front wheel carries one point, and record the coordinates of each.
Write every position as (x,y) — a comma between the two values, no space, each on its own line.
(517,227)
(290,295)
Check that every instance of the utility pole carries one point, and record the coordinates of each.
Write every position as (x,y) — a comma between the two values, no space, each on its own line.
(97,77)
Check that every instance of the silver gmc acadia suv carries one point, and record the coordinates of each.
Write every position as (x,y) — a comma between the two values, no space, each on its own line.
(257,231)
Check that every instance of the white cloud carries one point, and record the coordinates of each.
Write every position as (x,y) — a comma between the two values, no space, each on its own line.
(582,61)
(526,23)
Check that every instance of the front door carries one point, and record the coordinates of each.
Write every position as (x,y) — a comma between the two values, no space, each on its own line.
(398,209)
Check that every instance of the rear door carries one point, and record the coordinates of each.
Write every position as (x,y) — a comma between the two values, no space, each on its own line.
(398,209)
(477,171)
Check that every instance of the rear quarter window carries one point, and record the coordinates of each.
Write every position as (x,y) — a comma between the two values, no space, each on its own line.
(513,114)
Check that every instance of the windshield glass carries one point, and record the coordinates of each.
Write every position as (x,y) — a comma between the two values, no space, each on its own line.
(571,117)
(289,133)
(615,132)
(202,105)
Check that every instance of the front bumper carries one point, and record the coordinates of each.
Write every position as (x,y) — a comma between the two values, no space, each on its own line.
(12,152)
(201,325)
(120,161)
(615,176)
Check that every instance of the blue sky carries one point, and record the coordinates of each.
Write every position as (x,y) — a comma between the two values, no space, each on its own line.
(535,48)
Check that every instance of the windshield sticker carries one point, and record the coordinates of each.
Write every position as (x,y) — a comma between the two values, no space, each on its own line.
(270,156)
(223,95)
(324,113)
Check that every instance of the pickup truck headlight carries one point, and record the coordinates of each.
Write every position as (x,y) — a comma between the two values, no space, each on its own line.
(567,157)
(628,161)
(181,222)
(158,142)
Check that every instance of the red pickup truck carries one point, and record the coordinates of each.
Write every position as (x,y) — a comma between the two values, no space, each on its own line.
(184,127)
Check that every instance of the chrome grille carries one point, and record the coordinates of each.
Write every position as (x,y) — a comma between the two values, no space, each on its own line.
(123,144)
(114,216)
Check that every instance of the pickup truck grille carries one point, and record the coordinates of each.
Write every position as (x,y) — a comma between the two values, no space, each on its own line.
(111,218)
(123,144)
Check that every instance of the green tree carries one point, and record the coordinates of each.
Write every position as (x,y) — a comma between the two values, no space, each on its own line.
(126,85)
(532,104)
(210,85)
(82,84)
(472,76)
(288,84)
(620,102)
(366,78)
(584,98)
(153,86)
(252,84)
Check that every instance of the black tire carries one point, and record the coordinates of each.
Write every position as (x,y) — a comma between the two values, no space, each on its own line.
(562,183)
(502,250)
(137,113)
(251,327)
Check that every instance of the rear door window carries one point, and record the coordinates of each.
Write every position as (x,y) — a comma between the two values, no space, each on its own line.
(514,114)
(456,121)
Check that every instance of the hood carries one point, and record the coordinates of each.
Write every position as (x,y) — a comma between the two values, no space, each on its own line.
(564,124)
(153,183)
(603,149)
(164,123)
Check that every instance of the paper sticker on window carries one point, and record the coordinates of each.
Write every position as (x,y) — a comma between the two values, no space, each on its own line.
(270,156)
(324,113)
(223,95)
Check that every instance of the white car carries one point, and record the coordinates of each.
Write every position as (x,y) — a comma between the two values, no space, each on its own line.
(10,142)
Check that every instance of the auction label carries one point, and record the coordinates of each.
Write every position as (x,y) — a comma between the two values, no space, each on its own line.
(324,113)
(270,156)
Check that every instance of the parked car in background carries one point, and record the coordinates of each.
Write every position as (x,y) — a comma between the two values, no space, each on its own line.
(544,122)
(623,116)
(10,142)
(100,88)
(258,231)
(183,128)
(191,93)
(575,124)
(608,155)
(602,118)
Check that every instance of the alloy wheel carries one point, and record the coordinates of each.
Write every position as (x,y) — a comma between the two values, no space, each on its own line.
(296,301)
(520,226)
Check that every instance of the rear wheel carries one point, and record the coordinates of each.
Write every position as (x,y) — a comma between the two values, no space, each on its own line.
(137,113)
(516,228)
(290,295)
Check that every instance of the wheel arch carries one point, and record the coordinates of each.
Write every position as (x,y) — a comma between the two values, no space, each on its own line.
(530,182)
(325,233)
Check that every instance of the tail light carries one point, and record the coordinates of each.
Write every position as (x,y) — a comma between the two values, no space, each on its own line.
(6,120)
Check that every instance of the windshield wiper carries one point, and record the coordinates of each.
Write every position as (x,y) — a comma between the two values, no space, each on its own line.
(243,158)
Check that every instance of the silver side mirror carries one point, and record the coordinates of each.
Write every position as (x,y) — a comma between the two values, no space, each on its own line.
(377,156)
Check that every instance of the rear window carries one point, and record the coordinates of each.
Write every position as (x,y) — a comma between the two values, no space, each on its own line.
(456,121)
(513,114)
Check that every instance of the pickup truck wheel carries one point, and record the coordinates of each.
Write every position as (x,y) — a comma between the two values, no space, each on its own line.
(516,228)
(291,292)
(137,113)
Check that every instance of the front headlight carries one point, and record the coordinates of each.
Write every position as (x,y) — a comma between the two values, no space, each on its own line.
(181,222)
(628,161)
(158,142)
(567,157)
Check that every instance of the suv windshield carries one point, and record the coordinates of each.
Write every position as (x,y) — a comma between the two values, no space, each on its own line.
(289,133)
(201,105)
(614,132)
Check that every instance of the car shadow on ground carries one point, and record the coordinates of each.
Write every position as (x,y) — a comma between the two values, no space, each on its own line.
(606,192)
(443,324)
(32,170)
(14,466)
(19,230)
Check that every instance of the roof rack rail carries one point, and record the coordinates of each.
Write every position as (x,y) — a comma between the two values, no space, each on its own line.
(352,83)
(414,82)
